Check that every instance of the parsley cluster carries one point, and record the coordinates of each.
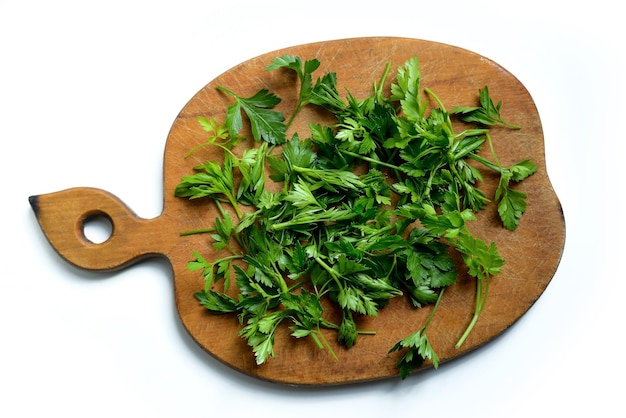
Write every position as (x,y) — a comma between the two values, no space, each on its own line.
(357,240)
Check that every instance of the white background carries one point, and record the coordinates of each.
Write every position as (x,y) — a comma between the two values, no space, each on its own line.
(88,92)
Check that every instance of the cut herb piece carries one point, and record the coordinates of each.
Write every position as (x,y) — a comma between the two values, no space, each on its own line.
(303,70)
(216,133)
(487,113)
(266,124)
(483,262)
(417,347)
(512,203)
(213,181)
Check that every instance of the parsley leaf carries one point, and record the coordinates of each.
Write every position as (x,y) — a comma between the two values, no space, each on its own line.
(216,303)
(418,349)
(303,71)
(216,133)
(211,180)
(511,206)
(266,124)
(512,203)
(487,113)
(407,90)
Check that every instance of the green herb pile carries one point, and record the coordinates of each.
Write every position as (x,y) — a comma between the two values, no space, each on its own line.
(328,232)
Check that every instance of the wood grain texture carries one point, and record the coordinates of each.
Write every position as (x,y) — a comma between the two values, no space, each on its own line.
(532,252)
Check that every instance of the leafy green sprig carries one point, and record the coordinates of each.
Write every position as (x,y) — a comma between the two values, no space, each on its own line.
(266,123)
(417,347)
(304,72)
(358,240)
(487,113)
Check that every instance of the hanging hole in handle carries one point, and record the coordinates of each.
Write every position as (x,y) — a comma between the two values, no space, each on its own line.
(97,227)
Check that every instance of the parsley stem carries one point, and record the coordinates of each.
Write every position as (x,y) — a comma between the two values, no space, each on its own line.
(467,331)
(206,144)
(220,208)
(493,151)
(229,257)
(330,271)
(299,106)
(482,288)
(485,162)
(322,342)
(281,282)
(369,159)
(432,313)
(197,231)
(378,88)
(494,166)
(233,202)
(225,90)
(439,102)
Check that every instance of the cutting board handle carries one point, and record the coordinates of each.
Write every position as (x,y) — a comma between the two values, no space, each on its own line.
(62,216)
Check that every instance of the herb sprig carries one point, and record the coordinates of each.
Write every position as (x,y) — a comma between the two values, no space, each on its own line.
(357,240)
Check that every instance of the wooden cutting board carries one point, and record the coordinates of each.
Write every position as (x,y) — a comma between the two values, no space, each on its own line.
(532,252)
